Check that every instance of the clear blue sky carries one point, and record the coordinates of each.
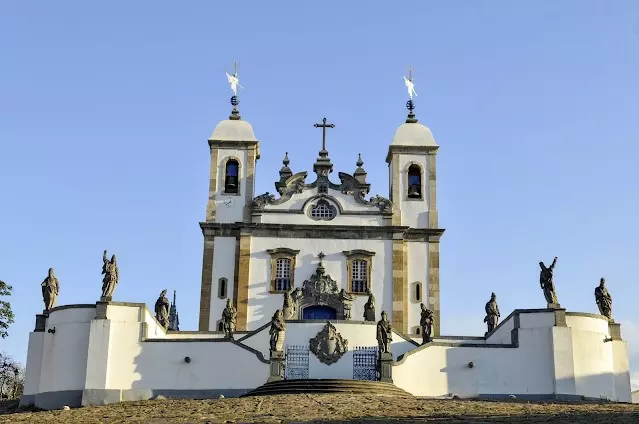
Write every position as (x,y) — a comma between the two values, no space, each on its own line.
(105,111)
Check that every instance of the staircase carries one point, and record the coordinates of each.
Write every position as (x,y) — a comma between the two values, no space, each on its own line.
(362,387)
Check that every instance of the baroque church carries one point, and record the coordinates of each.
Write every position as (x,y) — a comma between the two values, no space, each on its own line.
(318,286)
(259,246)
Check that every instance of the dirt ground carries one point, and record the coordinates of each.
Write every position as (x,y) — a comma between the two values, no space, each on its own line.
(331,408)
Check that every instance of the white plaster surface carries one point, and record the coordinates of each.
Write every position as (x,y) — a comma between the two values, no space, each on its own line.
(262,304)
(223,267)
(86,353)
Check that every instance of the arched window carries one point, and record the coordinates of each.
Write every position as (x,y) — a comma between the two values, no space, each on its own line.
(283,274)
(415,182)
(231,177)
(418,330)
(222,287)
(418,291)
(220,326)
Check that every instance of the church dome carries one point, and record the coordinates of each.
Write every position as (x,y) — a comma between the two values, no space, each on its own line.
(233,130)
(413,134)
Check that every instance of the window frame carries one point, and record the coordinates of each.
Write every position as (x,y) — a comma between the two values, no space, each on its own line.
(358,255)
(282,253)
(219,287)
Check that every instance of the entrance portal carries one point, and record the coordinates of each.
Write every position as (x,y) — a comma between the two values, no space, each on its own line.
(319,312)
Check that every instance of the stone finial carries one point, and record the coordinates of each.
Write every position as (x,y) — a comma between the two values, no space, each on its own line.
(360,173)
(285,174)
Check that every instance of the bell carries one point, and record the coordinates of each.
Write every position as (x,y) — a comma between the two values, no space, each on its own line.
(413,191)
(231,185)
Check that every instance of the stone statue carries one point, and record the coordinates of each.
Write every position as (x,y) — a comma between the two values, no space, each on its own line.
(347,303)
(50,290)
(369,308)
(289,308)
(603,299)
(426,323)
(277,331)
(384,334)
(229,317)
(547,283)
(492,313)
(162,309)
(111,276)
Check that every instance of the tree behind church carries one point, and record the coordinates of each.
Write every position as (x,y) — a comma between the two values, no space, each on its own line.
(6,314)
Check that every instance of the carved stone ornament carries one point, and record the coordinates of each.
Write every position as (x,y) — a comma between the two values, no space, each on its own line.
(382,203)
(262,200)
(328,345)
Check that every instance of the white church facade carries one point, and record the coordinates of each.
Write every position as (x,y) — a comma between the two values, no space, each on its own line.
(340,257)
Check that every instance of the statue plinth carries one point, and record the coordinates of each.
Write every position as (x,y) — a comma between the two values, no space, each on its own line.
(277,366)
(553,306)
(41,322)
(106,298)
(386,367)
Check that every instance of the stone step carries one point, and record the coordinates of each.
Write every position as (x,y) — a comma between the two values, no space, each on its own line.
(328,386)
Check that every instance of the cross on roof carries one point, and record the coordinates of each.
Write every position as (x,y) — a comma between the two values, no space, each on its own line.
(323,126)
(321,256)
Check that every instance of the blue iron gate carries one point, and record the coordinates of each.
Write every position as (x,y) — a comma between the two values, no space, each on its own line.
(365,363)
(296,362)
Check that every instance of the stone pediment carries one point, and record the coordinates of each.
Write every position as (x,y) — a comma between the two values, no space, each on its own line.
(349,196)
(321,290)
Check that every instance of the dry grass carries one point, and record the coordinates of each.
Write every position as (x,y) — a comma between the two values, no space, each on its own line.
(334,409)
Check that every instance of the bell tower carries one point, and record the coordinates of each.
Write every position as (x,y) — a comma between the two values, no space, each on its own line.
(234,153)
(412,174)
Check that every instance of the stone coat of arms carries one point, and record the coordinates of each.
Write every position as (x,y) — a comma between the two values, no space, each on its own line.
(328,345)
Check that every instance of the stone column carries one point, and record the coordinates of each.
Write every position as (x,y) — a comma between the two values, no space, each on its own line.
(207,284)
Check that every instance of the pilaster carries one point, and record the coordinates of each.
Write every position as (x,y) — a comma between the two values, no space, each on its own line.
(211,206)
(400,289)
(395,194)
(207,284)
(241,294)
(250,183)
(432,189)
(433,285)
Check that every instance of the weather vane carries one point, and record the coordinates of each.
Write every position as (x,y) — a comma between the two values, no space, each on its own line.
(409,83)
(233,79)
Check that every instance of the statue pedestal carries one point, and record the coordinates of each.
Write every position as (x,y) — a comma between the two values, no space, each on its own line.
(41,322)
(277,366)
(553,306)
(106,298)
(385,364)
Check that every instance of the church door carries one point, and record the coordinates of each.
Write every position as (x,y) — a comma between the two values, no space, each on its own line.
(319,312)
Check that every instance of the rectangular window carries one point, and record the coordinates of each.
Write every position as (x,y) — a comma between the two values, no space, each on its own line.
(359,276)
(283,274)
